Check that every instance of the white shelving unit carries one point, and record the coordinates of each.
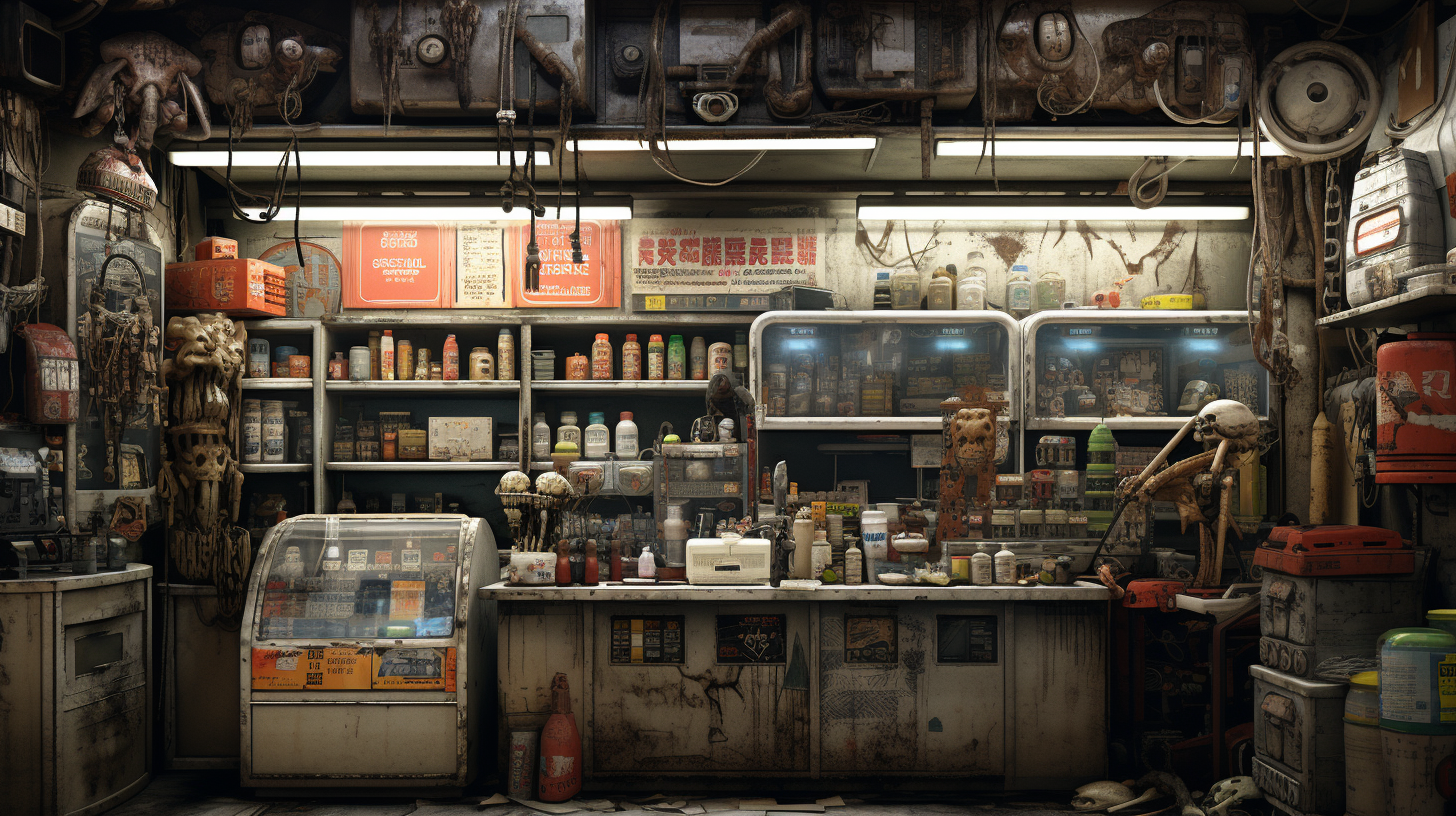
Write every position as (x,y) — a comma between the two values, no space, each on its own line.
(435,387)
(292,387)
(277,383)
(275,467)
(421,466)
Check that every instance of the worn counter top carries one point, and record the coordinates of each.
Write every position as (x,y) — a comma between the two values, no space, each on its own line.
(63,581)
(1080,591)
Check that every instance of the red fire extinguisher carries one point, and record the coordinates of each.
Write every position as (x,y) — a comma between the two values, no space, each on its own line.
(560,777)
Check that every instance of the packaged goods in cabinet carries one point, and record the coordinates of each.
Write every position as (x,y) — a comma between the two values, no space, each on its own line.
(601,358)
(259,360)
(720,358)
(656,358)
(505,355)
(280,359)
(343,447)
(389,446)
(404,359)
(359,360)
(698,359)
(876,395)
(461,439)
(776,402)
(338,367)
(300,366)
(299,425)
(414,444)
(847,401)
(677,358)
(577,367)
(631,358)
(437,372)
(214,248)
(450,358)
(273,447)
(366,440)
(374,339)
(252,443)
(394,420)
(238,287)
(386,355)
(510,447)
(568,431)
(482,364)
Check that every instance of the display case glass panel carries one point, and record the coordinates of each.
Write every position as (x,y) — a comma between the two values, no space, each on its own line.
(1140,365)
(390,578)
(879,364)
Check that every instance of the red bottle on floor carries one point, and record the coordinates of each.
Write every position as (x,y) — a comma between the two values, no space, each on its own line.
(560,776)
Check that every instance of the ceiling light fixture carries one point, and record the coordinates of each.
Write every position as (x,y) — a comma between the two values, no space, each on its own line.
(1008,148)
(315,157)
(403,213)
(727,145)
(986,208)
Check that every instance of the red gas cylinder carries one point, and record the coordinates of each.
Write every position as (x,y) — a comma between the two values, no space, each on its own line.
(1415,437)
(560,777)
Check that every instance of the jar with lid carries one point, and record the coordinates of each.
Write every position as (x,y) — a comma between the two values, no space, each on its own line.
(577,367)
(971,287)
(540,438)
(1018,291)
(359,360)
(450,358)
(940,293)
(882,289)
(404,359)
(601,358)
(631,358)
(720,358)
(1051,290)
(698,359)
(505,355)
(482,364)
(338,367)
(598,439)
(568,431)
(656,358)
(422,363)
(905,289)
(677,358)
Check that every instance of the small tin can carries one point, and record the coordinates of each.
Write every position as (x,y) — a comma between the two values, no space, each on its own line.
(437,371)
(720,358)
(258,359)
(577,367)
(359,359)
(280,359)
(338,367)
(300,366)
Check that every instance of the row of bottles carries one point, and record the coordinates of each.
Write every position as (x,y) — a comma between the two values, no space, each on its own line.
(672,359)
(950,289)
(595,443)
(389,358)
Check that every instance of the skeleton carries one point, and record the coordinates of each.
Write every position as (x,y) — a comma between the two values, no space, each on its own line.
(1201,486)
(1228,793)
(201,484)
(145,76)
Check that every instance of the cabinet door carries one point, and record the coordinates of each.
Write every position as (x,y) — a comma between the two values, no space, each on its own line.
(701,688)
(103,748)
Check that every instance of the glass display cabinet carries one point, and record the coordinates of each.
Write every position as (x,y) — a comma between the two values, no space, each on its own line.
(360,662)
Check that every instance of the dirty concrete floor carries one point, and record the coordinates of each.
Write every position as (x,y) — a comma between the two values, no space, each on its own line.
(216,793)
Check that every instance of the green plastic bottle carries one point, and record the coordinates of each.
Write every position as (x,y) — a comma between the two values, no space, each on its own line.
(677,358)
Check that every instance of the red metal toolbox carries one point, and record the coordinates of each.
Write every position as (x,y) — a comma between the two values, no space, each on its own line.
(1335,549)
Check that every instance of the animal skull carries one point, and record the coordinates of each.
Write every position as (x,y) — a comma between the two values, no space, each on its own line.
(1229,792)
(973,435)
(1101,795)
(1229,420)
(152,73)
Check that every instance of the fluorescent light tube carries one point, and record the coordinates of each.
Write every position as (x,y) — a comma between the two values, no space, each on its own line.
(520,214)
(355,158)
(981,212)
(725,145)
(1106,148)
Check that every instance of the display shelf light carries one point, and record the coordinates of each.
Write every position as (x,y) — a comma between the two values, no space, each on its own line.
(1008,148)
(375,159)
(727,145)
(1039,209)
(441,212)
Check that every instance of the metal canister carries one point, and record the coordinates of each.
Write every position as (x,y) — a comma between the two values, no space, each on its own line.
(300,366)
(1415,433)
(359,363)
(1396,225)
(280,359)
(253,428)
(258,358)
(1364,758)
(273,431)
(720,358)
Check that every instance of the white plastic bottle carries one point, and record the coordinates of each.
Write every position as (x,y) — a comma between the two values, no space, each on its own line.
(981,566)
(540,438)
(853,566)
(1005,567)
(597,439)
(568,431)
(874,527)
(646,564)
(971,287)
(626,437)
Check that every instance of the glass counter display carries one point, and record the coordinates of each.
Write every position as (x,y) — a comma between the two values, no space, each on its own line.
(358,662)
(877,369)
(1135,368)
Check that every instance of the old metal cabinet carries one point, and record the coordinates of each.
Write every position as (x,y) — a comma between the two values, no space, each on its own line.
(200,726)
(360,662)
(1306,619)
(1299,742)
(75,691)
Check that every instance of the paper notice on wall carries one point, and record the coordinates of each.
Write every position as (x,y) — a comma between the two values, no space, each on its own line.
(737,255)
(400,266)
(594,283)
(480,278)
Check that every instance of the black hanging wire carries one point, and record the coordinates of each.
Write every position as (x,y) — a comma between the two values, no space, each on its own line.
(289,106)
(576,256)
(533,250)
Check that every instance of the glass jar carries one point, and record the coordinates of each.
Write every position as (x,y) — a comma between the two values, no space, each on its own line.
(1018,291)
(568,431)
(482,364)
(601,358)
(505,355)
(905,289)
(631,358)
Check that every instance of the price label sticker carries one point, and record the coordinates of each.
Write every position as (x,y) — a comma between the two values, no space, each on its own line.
(656,303)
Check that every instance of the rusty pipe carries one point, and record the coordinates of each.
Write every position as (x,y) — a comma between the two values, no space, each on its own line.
(794,103)
(554,65)
(789,16)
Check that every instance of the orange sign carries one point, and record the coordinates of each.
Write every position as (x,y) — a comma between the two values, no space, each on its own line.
(420,669)
(400,266)
(325,669)
(596,283)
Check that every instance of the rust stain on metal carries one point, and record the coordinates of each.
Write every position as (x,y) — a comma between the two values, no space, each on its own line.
(1173,233)
(1008,246)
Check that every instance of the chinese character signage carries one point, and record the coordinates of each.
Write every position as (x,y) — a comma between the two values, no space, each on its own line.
(724,255)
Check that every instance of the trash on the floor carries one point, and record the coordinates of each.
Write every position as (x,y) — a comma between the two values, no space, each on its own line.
(1101,795)
(495,799)
(1229,792)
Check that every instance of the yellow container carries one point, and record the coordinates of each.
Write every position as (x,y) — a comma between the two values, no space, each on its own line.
(1166,301)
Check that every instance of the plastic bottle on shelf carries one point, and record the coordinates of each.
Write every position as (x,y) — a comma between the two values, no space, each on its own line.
(626,437)
(720,358)
(601,358)
(598,438)
(386,355)
(905,289)
(940,293)
(698,359)
(631,358)
(1005,566)
(505,355)
(1018,291)
(404,360)
(1051,290)
(656,358)
(981,568)
(875,529)
(373,357)
(540,438)
(568,431)
(971,287)
(450,358)
(677,358)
